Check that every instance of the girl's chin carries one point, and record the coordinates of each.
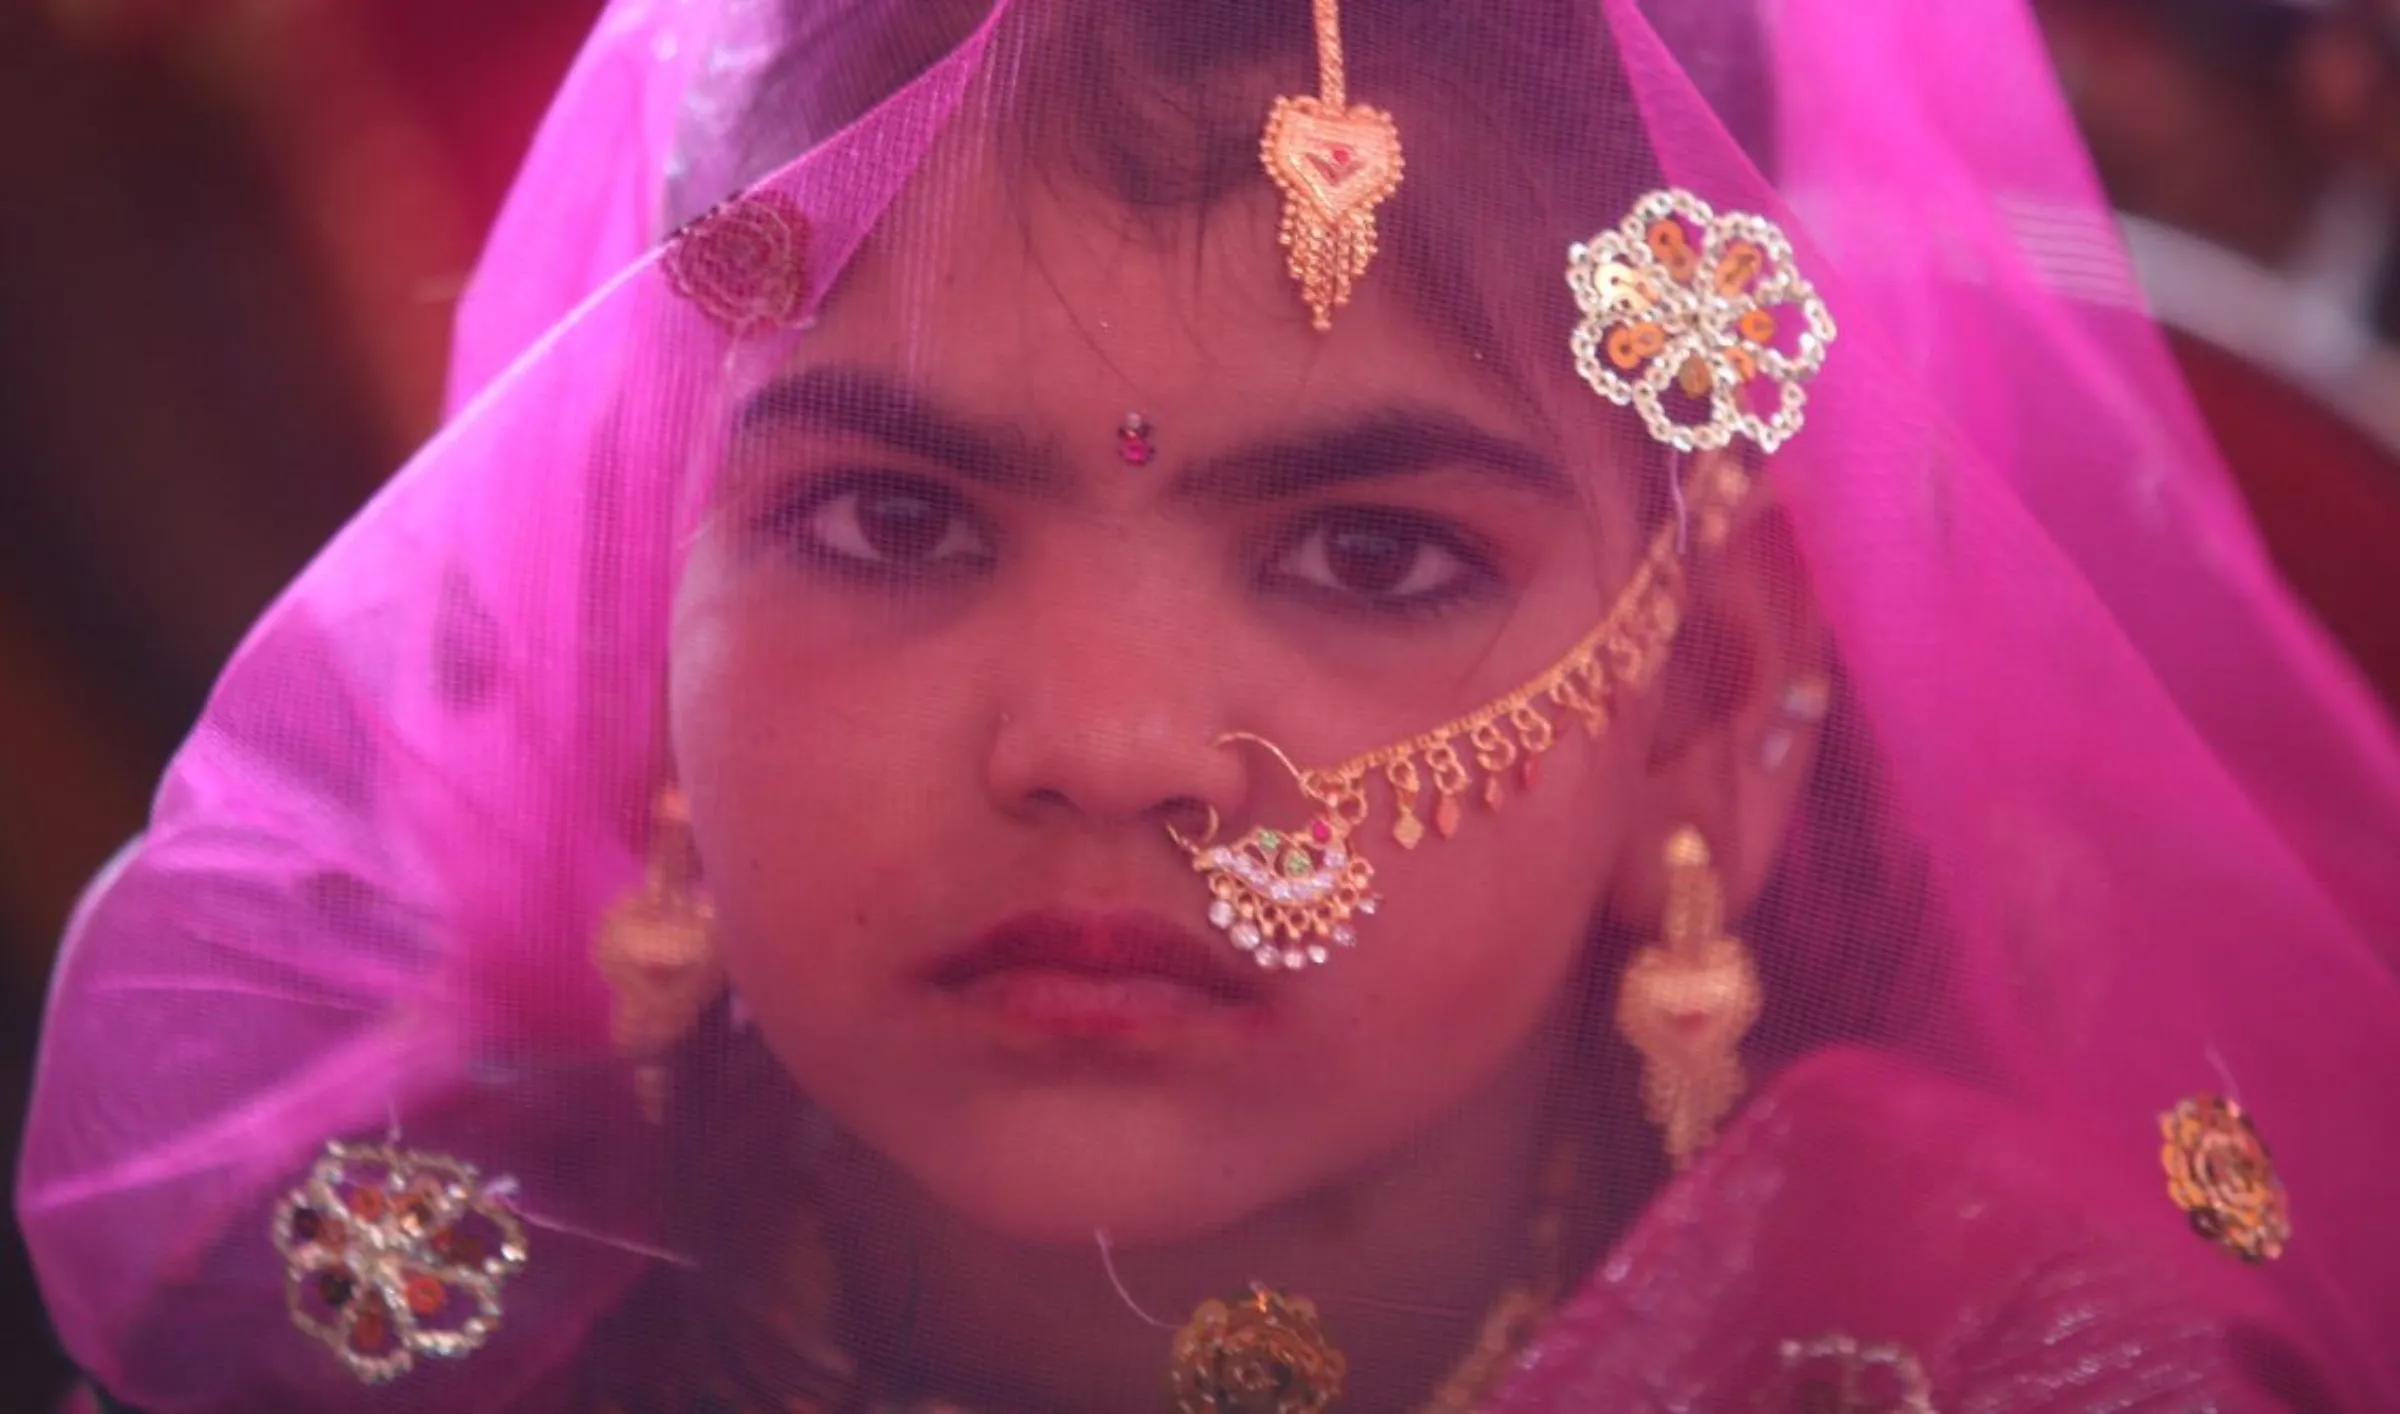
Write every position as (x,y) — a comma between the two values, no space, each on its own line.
(1033,1200)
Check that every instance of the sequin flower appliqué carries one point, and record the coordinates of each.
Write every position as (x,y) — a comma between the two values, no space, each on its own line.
(390,1254)
(1265,1354)
(2220,1174)
(1700,321)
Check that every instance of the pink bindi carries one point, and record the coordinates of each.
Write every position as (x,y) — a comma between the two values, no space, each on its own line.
(1133,441)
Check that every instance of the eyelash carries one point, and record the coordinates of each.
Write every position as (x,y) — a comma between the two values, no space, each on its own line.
(1474,577)
(792,522)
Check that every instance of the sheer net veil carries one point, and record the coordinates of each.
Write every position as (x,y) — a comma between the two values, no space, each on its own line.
(1539,705)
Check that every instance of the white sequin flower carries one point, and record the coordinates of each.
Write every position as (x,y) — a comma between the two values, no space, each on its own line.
(1682,301)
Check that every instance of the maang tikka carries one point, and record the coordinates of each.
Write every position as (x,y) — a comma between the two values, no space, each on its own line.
(1334,162)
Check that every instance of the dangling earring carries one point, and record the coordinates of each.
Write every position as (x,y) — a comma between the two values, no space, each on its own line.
(1687,1002)
(657,951)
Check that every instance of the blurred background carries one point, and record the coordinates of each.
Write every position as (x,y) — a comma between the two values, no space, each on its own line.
(233,231)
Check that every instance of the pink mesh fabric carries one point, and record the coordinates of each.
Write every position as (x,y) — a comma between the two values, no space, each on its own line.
(2109,822)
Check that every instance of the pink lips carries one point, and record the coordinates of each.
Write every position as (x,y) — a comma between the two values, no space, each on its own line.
(1095,974)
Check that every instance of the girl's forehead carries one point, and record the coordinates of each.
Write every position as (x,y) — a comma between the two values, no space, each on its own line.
(1030,295)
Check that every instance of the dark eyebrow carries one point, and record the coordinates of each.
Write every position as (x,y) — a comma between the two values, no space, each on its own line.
(1400,440)
(845,399)
(1388,442)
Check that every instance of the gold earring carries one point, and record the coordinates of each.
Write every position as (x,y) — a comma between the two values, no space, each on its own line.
(1687,1002)
(657,952)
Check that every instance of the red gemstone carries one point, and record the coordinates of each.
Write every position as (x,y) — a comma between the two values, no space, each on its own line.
(1341,156)
(368,1203)
(426,1296)
(464,1248)
(370,1332)
(1321,832)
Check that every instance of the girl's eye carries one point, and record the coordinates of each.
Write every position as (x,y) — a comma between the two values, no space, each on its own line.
(887,526)
(1389,559)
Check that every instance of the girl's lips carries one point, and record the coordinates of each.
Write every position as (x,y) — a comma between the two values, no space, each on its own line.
(1097,974)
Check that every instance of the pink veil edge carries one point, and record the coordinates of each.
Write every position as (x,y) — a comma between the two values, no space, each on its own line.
(2313,821)
(2296,723)
(2305,775)
(419,1020)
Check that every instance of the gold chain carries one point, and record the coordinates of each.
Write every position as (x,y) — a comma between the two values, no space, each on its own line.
(1622,653)
(1332,82)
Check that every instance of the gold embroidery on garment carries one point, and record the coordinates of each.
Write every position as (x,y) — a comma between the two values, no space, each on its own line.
(391,1254)
(1266,1353)
(1270,1354)
(2220,1173)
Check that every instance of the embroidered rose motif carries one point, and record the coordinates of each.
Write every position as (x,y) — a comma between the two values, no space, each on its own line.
(744,262)
(1264,1354)
(2220,1174)
(390,1254)
(1681,302)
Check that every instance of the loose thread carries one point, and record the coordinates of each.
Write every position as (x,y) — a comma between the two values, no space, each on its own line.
(620,1244)
(1683,508)
(1108,1264)
(2216,1061)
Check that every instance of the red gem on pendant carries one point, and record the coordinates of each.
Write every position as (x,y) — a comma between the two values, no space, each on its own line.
(1321,832)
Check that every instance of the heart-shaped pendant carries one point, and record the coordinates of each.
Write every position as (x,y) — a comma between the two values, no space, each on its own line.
(1684,1011)
(1686,1004)
(1334,166)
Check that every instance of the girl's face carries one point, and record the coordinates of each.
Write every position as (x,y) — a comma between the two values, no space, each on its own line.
(946,665)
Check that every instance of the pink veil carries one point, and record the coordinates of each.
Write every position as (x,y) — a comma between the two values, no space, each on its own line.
(2151,810)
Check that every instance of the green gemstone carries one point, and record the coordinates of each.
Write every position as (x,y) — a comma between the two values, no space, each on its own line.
(1270,840)
(1296,865)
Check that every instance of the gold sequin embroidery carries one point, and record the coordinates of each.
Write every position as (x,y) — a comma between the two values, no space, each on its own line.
(2220,1174)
